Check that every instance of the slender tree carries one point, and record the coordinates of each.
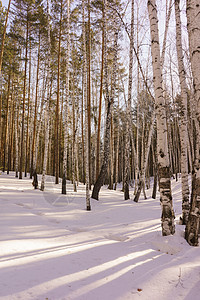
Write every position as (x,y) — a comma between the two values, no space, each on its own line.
(24,94)
(162,145)
(109,102)
(193,25)
(100,102)
(66,102)
(129,119)
(183,116)
(88,206)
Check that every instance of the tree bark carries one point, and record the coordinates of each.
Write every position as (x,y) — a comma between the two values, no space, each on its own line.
(23,107)
(183,116)
(100,106)
(109,101)
(88,57)
(88,206)
(66,103)
(129,118)
(47,116)
(35,112)
(57,104)
(193,25)
(28,114)
(162,144)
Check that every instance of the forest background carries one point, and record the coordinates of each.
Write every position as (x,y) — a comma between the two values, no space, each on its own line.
(88,94)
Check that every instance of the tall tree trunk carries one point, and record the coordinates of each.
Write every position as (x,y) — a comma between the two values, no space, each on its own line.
(6,124)
(183,115)
(17,105)
(66,103)
(35,155)
(88,43)
(155,169)
(73,138)
(109,101)
(117,147)
(82,133)
(162,145)
(11,122)
(193,24)
(129,118)
(47,115)
(111,153)
(88,206)
(36,106)
(23,108)
(100,106)
(138,111)
(28,114)
(57,138)
(142,175)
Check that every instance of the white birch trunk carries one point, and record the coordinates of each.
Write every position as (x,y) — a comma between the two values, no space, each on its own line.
(183,127)
(143,171)
(168,14)
(129,119)
(193,23)
(162,144)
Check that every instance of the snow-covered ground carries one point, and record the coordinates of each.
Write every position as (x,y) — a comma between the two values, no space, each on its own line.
(51,248)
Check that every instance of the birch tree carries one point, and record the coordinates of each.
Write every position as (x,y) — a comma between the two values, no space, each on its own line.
(162,145)
(147,147)
(193,25)
(128,120)
(183,116)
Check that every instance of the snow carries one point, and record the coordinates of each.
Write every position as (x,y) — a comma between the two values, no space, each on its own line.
(51,248)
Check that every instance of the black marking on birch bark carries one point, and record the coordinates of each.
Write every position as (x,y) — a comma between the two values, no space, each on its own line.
(161,153)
